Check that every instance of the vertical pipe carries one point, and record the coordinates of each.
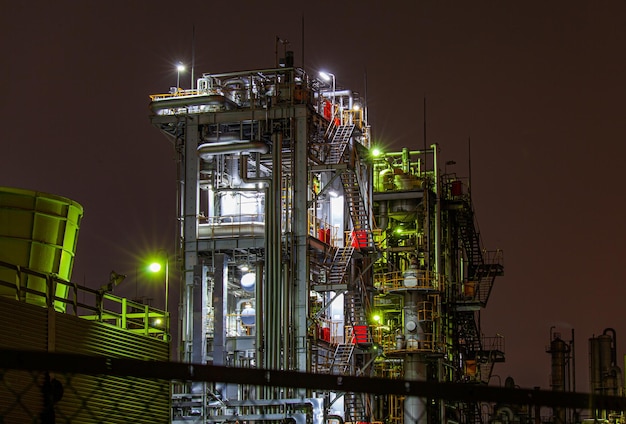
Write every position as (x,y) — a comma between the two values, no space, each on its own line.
(300,273)
(220,305)
(189,222)
(276,247)
(259,338)
(272,348)
(406,160)
(435,148)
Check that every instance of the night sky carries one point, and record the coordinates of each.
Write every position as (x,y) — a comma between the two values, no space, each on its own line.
(538,87)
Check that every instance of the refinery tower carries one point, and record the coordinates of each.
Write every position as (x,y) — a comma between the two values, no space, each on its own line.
(303,248)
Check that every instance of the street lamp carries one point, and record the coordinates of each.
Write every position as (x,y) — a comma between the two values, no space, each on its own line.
(156,267)
(327,76)
(179,68)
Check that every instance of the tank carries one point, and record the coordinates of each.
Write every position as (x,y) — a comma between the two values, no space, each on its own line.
(603,369)
(38,231)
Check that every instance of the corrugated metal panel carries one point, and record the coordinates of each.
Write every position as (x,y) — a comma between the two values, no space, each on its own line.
(106,399)
(86,399)
(23,326)
(77,335)
(20,396)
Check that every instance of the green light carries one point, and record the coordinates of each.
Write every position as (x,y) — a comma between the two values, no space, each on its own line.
(376,317)
(154,267)
(376,152)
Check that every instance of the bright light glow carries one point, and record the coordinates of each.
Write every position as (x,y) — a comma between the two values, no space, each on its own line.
(376,318)
(248,281)
(180,67)
(376,152)
(325,76)
(154,267)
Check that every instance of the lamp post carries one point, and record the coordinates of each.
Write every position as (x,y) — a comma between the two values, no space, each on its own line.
(179,68)
(327,76)
(156,267)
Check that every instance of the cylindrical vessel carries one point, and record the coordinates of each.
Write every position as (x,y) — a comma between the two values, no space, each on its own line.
(38,231)
(602,370)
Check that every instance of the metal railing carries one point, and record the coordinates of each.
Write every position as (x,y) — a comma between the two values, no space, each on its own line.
(47,290)
(49,387)
(396,281)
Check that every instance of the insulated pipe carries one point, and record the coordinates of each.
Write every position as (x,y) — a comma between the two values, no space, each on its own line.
(316,405)
(260,324)
(228,147)
(243,166)
(275,248)
(384,216)
(340,93)
(271,288)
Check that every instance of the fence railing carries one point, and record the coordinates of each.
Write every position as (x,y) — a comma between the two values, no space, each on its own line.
(39,386)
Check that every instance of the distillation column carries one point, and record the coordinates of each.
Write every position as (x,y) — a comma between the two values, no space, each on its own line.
(559,351)
(415,336)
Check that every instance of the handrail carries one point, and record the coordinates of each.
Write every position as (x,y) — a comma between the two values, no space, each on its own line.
(96,305)
(392,281)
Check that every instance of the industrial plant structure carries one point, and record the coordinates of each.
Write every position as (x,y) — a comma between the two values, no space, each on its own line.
(304,248)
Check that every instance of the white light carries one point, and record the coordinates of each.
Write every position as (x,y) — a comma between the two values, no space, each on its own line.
(248,281)
(325,76)
(179,68)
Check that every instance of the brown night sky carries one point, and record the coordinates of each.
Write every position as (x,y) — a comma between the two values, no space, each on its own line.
(539,87)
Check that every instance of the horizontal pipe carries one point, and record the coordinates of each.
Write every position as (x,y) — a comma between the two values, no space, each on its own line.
(226,147)
(236,229)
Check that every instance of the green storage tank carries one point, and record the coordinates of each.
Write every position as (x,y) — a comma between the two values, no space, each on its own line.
(38,231)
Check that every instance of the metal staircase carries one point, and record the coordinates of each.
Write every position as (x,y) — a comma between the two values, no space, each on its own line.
(355,316)
(467,333)
(483,267)
(339,139)
(469,236)
(355,408)
(340,265)
(363,237)
(342,359)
